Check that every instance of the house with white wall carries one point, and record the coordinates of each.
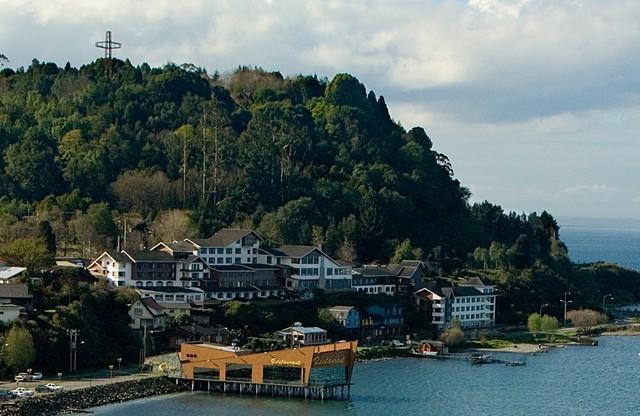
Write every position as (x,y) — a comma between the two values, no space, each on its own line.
(310,268)
(471,303)
(297,334)
(227,246)
(147,313)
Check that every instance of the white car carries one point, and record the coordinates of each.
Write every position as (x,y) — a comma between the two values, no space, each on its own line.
(54,387)
(23,377)
(22,392)
(36,376)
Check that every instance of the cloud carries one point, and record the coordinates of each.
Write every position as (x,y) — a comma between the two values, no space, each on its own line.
(595,188)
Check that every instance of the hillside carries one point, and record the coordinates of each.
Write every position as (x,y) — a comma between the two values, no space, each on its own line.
(180,152)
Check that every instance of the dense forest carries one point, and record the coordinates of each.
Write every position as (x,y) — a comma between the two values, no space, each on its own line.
(177,152)
(174,152)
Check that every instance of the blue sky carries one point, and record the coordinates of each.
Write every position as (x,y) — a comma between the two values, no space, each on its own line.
(536,102)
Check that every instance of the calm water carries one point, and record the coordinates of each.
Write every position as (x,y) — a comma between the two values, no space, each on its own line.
(569,381)
(617,245)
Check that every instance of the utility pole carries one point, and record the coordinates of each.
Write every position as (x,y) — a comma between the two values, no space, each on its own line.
(604,302)
(566,302)
(73,349)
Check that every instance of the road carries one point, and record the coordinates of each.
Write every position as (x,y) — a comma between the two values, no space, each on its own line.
(72,383)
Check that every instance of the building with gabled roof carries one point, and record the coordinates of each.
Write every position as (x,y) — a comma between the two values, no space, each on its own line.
(227,246)
(472,304)
(310,268)
(346,316)
(147,313)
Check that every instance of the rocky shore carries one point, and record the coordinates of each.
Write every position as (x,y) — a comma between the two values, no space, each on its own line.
(69,401)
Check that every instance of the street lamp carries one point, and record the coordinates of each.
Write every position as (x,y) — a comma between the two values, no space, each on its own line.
(542,306)
(604,301)
(119,363)
(566,302)
(111,371)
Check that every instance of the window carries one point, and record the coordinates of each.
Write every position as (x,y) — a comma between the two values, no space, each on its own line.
(237,260)
(329,271)
(159,297)
(138,284)
(137,311)
(268,259)
(229,250)
(228,260)
(168,298)
(238,251)
(169,283)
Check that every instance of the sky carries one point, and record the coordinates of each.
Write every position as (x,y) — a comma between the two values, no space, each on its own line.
(536,102)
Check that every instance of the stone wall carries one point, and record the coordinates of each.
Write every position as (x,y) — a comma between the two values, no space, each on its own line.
(65,402)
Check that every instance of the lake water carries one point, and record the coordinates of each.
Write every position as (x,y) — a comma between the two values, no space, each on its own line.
(617,245)
(601,380)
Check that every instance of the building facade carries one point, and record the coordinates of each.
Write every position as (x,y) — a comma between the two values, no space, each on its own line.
(347,316)
(471,304)
(309,268)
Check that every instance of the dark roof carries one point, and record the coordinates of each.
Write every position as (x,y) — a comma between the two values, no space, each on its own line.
(181,247)
(14,291)
(168,289)
(373,271)
(459,291)
(119,257)
(230,267)
(472,281)
(260,266)
(148,255)
(152,305)
(272,251)
(234,289)
(223,238)
(296,251)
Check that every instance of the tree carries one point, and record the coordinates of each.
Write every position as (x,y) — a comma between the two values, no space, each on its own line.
(585,319)
(30,165)
(481,255)
(172,225)
(549,323)
(46,234)
(145,192)
(405,251)
(498,254)
(95,228)
(31,253)
(18,352)
(534,322)
(453,337)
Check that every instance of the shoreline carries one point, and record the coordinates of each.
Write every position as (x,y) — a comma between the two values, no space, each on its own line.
(75,401)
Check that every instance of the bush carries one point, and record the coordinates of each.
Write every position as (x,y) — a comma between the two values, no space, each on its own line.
(453,336)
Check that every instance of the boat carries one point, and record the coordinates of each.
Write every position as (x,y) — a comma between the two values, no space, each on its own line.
(478,358)
(430,349)
(515,363)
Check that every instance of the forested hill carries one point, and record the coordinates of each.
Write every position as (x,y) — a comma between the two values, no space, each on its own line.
(178,152)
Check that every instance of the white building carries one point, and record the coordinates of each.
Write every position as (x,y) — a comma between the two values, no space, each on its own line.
(228,246)
(164,265)
(175,300)
(297,334)
(472,304)
(310,267)
(147,313)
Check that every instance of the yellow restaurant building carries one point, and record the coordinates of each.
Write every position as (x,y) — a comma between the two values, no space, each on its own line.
(315,372)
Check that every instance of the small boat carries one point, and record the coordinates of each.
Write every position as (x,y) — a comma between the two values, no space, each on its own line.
(482,359)
(515,363)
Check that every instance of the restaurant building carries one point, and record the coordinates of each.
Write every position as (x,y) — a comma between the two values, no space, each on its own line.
(313,372)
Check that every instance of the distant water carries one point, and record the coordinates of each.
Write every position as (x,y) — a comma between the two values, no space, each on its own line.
(590,381)
(589,244)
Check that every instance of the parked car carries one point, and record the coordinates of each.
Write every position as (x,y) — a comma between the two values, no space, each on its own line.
(23,377)
(22,392)
(36,376)
(54,387)
(6,395)
(42,388)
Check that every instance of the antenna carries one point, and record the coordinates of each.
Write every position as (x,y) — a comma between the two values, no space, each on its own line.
(108,45)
